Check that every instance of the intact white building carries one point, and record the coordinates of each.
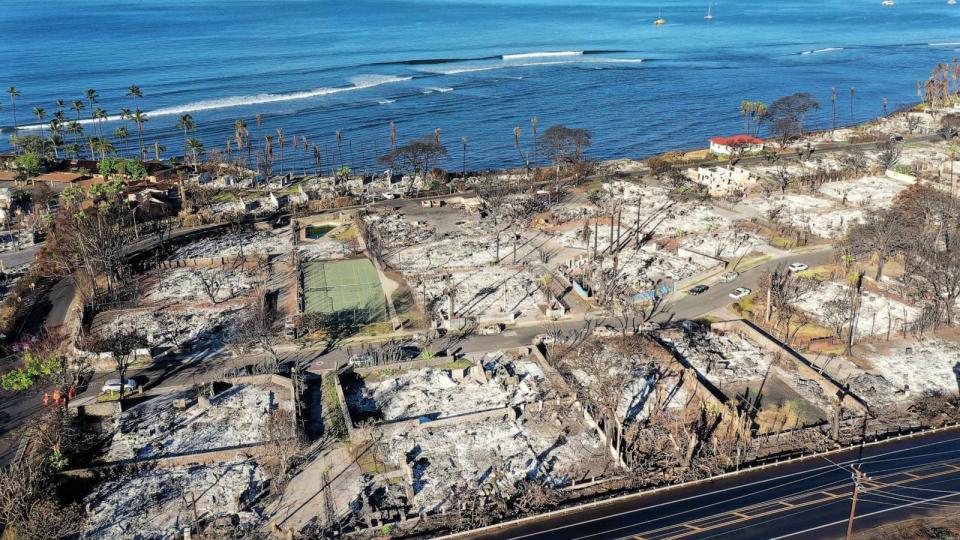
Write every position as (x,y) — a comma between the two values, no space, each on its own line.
(744,144)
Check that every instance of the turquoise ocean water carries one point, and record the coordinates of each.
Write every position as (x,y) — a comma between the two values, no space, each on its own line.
(471,68)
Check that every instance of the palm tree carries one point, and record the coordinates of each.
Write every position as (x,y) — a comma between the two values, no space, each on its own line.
(91,96)
(853,95)
(76,129)
(158,150)
(40,114)
(833,106)
(102,146)
(240,134)
(195,146)
(280,144)
(14,94)
(140,118)
(121,135)
(318,160)
(534,122)
(55,139)
(186,123)
(339,138)
(77,106)
(135,93)
(100,116)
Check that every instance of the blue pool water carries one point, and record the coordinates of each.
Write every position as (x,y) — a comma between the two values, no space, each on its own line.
(470,68)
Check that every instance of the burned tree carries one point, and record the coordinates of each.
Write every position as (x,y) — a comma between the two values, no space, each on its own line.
(785,116)
(417,157)
(564,145)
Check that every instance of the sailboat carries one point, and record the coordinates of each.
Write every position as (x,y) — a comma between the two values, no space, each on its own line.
(709,16)
(887,3)
(660,20)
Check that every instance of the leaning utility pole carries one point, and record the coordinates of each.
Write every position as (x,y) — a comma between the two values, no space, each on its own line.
(857,479)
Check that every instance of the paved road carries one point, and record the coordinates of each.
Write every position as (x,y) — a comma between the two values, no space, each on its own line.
(808,499)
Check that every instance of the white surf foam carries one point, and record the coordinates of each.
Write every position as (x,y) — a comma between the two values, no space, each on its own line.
(945,44)
(522,56)
(505,65)
(818,51)
(386,101)
(360,82)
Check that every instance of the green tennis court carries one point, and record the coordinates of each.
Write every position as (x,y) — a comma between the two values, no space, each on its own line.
(348,289)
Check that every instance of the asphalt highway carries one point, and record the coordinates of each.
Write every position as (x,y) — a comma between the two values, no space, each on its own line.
(804,499)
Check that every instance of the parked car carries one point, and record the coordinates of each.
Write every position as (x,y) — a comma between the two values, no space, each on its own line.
(699,289)
(740,293)
(896,138)
(729,277)
(491,329)
(113,386)
(797,267)
(605,331)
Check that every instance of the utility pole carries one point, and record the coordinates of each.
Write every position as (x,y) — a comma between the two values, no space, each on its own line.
(857,479)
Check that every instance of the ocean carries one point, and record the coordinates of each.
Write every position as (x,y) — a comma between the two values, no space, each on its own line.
(472,68)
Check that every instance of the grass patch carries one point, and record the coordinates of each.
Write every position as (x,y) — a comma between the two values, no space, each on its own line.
(368,461)
(748,305)
(819,273)
(224,196)
(456,364)
(749,262)
(382,373)
(334,422)
(783,242)
(348,234)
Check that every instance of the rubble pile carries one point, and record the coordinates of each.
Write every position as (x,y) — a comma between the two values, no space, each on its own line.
(157,427)
(721,358)
(916,368)
(461,252)
(483,293)
(878,314)
(186,285)
(158,504)
(185,327)
(434,392)
(446,460)
(396,231)
(872,192)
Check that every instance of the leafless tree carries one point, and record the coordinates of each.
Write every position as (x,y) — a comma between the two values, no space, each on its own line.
(564,145)
(261,327)
(889,155)
(284,440)
(212,281)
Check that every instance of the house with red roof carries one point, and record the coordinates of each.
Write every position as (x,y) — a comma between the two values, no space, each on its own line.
(737,144)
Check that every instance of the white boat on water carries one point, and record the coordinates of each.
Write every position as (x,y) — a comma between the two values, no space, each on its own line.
(951,2)
(709,16)
(660,20)
(887,3)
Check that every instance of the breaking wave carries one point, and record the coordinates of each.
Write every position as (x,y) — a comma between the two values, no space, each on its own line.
(523,56)
(818,51)
(509,56)
(357,83)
